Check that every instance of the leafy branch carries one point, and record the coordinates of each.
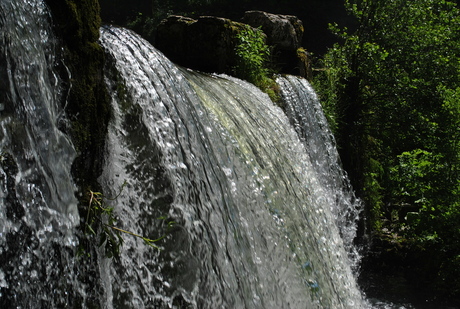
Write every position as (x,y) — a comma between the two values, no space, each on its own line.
(252,55)
(101,221)
(252,61)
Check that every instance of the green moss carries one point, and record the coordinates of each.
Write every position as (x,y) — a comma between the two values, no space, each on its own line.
(273,90)
(77,24)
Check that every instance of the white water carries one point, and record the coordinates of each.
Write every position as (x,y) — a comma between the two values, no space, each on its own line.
(38,208)
(255,227)
(257,217)
(305,114)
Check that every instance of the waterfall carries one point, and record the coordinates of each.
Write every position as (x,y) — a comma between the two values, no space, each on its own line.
(255,227)
(38,208)
(306,116)
(257,197)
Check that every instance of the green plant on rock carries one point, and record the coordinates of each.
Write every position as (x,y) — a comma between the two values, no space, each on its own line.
(101,222)
(252,55)
(252,60)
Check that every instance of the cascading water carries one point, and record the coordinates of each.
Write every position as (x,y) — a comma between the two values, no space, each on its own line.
(38,208)
(306,116)
(254,226)
(256,215)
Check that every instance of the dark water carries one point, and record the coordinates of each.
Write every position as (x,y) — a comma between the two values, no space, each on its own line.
(38,207)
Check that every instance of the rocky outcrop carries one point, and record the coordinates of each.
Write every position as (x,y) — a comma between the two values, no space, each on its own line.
(77,24)
(284,32)
(284,35)
(206,44)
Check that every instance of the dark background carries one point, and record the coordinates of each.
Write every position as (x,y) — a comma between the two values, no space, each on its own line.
(315,14)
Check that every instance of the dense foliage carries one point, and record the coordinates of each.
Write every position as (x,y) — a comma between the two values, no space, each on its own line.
(253,56)
(393,93)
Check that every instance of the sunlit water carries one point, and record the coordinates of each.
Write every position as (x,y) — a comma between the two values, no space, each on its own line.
(258,198)
(255,228)
(306,115)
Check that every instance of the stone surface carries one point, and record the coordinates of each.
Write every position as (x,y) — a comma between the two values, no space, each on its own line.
(205,44)
(76,23)
(208,43)
(284,34)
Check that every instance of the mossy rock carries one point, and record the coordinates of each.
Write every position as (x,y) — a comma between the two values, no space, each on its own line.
(77,24)
(284,35)
(205,44)
(208,43)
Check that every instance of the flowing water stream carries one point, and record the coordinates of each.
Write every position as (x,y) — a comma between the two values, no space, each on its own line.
(305,113)
(263,215)
(38,207)
(255,223)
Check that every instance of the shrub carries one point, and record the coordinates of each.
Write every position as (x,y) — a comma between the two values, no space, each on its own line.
(252,60)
